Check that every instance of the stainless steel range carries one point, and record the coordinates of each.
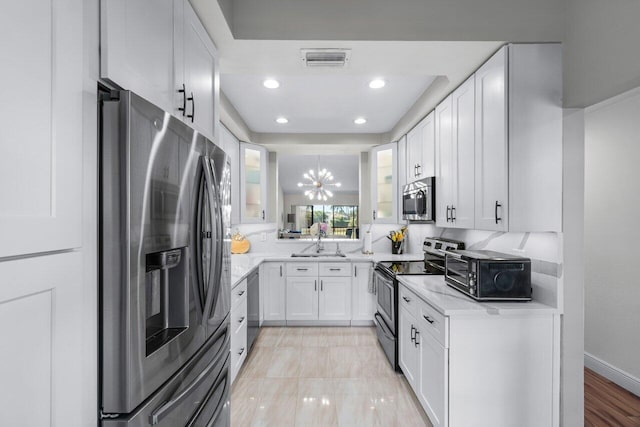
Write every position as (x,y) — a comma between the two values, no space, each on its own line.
(386,285)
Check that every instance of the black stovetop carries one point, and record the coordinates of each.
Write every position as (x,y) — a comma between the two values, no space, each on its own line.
(411,267)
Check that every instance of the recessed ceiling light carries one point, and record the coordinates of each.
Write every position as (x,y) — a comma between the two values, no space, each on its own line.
(271,84)
(377,84)
(282,120)
(360,121)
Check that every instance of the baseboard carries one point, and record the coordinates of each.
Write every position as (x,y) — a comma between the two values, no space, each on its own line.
(613,374)
(318,323)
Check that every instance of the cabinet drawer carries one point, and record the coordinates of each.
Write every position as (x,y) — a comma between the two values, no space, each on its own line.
(239,315)
(302,269)
(239,292)
(433,322)
(341,269)
(238,349)
(409,300)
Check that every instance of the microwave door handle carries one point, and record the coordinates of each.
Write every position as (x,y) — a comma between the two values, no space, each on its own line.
(165,409)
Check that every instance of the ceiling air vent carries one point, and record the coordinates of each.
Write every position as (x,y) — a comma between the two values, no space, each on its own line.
(325,57)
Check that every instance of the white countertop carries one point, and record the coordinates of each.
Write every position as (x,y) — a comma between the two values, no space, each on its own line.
(243,264)
(448,301)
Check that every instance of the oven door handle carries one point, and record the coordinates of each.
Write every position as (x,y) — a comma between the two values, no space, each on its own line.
(453,254)
(383,326)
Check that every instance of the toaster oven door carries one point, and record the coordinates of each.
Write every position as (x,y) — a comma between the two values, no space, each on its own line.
(457,272)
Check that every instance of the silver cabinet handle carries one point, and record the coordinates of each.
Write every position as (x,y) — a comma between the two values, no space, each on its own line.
(183,91)
(335,269)
(280,270)
(315,285)
(428,319)
(263,215)
(193,108)
(241,351)
(498,205)
(417,343)
(302,269)
(321,285)
(355,271)
(413,337)
(406,299)
(240,320)
(241,293)
(374,214)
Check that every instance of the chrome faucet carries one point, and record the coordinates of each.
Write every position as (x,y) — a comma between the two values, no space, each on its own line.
(319,245)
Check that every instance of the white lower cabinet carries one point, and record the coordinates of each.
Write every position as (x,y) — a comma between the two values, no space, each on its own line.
(481,370)
(432,384)
(334,298)
(302,298)
(318,291)
(272,291)
(238,327)
(409,353)
(363,303)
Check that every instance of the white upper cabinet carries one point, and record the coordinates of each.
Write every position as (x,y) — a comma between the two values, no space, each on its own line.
(421,149)
(41,138)
(384,184)
(253,186)
(161,51)
(137,49)
(454,121)
(198,64)
(231,146)
(462,155)
(491,152)
(444,168)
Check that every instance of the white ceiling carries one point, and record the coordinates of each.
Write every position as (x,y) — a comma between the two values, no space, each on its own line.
(323,103)
(345,169)
(327,100)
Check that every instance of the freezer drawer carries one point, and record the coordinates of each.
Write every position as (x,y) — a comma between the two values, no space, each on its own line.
(198,395)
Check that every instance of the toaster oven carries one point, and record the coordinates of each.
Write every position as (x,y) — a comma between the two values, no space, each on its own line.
(488,275)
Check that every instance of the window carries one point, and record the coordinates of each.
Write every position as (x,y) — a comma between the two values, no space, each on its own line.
(343,220)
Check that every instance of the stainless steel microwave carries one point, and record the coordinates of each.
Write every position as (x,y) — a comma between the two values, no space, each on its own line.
(418,200)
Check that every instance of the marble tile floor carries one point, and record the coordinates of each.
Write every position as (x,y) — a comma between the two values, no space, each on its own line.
(311,376)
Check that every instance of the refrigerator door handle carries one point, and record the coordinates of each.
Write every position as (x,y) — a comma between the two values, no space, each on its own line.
(217,256)
(222,377)
(165,409)
(209,184)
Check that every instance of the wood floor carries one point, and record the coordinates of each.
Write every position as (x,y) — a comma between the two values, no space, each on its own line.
(607,404)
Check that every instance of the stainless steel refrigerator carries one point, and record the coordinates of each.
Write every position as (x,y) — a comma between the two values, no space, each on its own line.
(165,269)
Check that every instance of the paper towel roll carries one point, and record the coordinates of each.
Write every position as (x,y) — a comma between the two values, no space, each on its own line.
(367,243)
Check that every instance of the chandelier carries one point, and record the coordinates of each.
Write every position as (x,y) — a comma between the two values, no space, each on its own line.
(318,181)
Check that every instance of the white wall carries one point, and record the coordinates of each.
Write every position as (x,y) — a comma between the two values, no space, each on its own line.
(612,208)
(572,364)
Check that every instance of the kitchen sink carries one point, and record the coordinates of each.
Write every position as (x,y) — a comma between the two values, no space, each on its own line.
(312,255)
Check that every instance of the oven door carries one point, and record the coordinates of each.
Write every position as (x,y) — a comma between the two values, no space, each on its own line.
(386,294)
(457,272)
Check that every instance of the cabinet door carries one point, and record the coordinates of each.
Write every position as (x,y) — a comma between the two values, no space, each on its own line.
(401,162)
(273,287)
(462,161)
(137,48)
(444,168)
(433,379)
(41,121)
(491,156)
(334,298)
(200,62)
(414,152)
(302,298)
(231,146)
(253,185)
(42,327)
(363,302)
(428,145)
(408,352)
(384,184)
